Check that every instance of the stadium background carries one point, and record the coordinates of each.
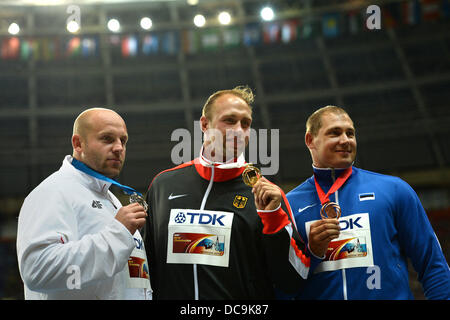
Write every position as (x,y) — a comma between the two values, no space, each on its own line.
(394,82)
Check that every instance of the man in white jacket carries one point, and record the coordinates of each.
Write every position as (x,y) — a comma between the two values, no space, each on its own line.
(74,238)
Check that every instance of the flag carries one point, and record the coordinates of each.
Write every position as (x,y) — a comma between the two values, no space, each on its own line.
(289,31)
(150,44)
(169,42)
(411,12)
(190,41)
(26,49)
(129,46)
(309,28)
(330,26)
(252,34)
(10,48)
(354,21)
(271,33)
(73,47)
(46,49)
(210,39)
(114,40)
(231,37)
(35,44)
(391,15)
(89,47)
(55,48)
(431,10)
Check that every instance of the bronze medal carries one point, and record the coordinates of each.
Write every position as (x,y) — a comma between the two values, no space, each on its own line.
(251,175)
(330,210)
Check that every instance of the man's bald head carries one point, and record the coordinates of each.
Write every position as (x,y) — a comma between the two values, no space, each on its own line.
(99,140)
(86,120)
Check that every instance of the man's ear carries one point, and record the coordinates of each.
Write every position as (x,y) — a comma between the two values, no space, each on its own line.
(76,143)
(309,140)
(204,124)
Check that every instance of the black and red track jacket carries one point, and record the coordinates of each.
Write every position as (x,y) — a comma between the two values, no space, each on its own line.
(206,240)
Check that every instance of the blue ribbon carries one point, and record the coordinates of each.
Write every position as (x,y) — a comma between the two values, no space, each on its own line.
(84,168)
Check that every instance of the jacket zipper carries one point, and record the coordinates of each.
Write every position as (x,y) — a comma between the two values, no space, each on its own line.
(202,207)
(344,276)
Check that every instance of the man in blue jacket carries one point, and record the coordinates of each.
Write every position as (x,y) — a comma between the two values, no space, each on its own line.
(382,222)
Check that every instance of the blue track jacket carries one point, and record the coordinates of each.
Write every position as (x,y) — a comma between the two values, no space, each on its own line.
(382,224)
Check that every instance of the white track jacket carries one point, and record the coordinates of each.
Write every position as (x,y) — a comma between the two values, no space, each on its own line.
(70,246)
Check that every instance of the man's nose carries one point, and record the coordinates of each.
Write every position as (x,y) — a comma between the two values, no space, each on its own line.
(344,139)
(238,131)
(118,146)
(239,126)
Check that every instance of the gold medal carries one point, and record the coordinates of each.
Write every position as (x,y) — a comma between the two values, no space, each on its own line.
(251,175)
(135,198)
(330,210)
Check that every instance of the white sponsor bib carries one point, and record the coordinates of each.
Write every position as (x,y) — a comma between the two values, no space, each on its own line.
(138,265)
(199,237)
(352,249)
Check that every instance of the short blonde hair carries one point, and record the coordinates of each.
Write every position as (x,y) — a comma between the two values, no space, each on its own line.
(243,92)
(314,122)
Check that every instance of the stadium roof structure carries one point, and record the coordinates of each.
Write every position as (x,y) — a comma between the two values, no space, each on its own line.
(393,81)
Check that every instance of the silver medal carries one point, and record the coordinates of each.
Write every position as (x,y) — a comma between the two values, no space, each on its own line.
(135,198)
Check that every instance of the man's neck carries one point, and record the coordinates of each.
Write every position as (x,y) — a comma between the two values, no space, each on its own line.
(217,157)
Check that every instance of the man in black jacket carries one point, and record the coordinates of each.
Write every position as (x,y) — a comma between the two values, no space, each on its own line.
(211,236)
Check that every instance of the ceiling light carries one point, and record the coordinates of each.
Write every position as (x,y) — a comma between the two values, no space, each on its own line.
(267,14)
(224,17)
(114,25)
(146,23)
(73,26)
(13,28)
(199,20)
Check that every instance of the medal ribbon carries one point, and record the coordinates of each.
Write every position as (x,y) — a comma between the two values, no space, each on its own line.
(84,168)
(324,198)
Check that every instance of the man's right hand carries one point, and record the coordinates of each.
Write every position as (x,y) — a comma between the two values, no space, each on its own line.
(321,233)
(132,217)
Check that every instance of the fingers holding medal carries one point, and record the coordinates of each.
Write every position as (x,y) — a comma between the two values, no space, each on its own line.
(321,232)
(325,230)
(267,195)
(132,216)
(136,198)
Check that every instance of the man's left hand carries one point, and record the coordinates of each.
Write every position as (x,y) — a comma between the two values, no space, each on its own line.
(267,195)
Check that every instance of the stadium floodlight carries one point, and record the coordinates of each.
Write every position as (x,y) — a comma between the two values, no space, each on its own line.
(146,23)
(267,14)
(199,20)
(13,28)
(73,26)
(224,18)
(114,25)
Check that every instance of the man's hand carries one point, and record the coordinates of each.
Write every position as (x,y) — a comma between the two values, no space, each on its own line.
(321,233)
(132,217)
(267,195)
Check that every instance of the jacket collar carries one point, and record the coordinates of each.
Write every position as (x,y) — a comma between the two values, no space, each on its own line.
(88,181)
(222,171)
(326,176)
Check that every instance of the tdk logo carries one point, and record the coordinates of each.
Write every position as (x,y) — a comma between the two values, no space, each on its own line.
(200,218)
(350,224)
(180,218)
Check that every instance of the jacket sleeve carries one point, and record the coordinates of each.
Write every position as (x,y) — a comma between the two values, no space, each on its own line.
(288,258)
(420,243)
(50,255)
